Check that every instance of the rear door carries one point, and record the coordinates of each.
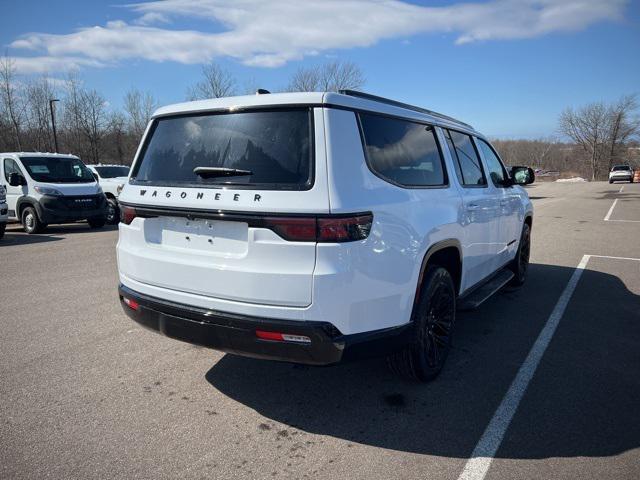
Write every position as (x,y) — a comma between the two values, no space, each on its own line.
(481,214)
(218,205)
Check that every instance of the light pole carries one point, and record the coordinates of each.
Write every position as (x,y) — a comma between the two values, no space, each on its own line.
(53,122)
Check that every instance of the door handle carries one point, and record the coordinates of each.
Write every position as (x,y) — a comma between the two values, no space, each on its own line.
(472,206)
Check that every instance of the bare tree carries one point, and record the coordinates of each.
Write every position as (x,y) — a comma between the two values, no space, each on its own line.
(589,128)
(601,131)
(624,126)
(12,104)
(139,107)
(39,92)
(93,121)
(329,77)
(216,82)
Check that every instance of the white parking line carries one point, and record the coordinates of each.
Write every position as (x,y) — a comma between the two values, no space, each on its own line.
(621,188)
(608,215)
(480,461)
(615,258)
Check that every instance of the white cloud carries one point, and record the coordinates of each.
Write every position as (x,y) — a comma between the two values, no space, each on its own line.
(271,33)
(47,64)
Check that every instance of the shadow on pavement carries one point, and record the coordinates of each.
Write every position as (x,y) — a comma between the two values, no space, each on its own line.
(15,235)
(591,376)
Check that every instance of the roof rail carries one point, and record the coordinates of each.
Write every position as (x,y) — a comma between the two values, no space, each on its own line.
(388,101)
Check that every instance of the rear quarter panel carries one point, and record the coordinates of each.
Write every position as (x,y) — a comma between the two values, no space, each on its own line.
(374,281)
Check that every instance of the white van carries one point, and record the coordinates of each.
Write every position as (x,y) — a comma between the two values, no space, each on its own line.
(318,227)
(48,188)
(111,179)
(4,210)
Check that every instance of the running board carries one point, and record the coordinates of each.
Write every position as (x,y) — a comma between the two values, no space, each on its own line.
(478,296)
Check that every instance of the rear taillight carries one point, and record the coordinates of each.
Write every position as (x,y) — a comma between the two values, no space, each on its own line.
(328,229)
(127,214)
(344,229)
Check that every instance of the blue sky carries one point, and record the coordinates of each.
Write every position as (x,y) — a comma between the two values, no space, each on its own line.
(508,67)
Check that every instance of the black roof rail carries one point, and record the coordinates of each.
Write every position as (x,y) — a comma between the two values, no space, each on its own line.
(395,103)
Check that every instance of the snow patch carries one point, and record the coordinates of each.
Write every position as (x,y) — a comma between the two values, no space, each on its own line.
(571,180)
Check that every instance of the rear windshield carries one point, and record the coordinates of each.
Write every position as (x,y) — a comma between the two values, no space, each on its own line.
(618,168)
(269,149)
(57,170)
(112,172)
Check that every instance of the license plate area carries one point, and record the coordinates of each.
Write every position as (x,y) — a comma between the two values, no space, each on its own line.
(207,236)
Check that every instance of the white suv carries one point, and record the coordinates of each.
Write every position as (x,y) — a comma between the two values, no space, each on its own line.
(4,210)
(111,178)
(46,188)
(621,173)
(317,228)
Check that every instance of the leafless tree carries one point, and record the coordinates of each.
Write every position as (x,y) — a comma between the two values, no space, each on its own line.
(624,126)
(139,107)
(39,92)
(216,82)
(329,77)
(588,127)
(601,131)
(13,106)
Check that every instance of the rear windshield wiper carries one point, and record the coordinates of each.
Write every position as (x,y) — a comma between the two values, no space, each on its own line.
(212,172)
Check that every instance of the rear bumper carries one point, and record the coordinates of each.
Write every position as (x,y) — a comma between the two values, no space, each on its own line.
(620,178)
(237,333)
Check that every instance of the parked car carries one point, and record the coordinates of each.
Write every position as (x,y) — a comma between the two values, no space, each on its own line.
(318,227)
(4,210)
(621,173)
(47,188)
(111,178)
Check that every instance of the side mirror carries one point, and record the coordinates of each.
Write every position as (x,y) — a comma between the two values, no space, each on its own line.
(522,175)
(16,180)
(95,175)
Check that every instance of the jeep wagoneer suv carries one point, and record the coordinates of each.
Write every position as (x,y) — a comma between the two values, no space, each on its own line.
(317,228)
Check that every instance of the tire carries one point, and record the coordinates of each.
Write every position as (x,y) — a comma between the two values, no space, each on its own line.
(97,222)
(520,264)
(433,319)
(3,227)
(113,212)
(30,221)
(610,181)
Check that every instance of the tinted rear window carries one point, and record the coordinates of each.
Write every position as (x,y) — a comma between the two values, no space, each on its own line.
(275,146)
(619,168)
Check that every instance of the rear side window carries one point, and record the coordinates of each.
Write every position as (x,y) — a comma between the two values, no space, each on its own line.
(402,152)
(466,159)
(269,149)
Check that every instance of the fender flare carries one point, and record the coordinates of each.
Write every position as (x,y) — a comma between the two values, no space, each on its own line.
(436,247)
(27,201)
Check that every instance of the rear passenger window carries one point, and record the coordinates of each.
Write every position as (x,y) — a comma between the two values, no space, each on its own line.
(466,159)
(402,152)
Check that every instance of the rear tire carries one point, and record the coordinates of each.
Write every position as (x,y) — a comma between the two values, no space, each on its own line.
(3,227)
(30,221)
(433,321)
(113,212)
(96,222)
(520,265)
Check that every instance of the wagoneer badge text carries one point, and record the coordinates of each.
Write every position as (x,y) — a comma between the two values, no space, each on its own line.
(201,195)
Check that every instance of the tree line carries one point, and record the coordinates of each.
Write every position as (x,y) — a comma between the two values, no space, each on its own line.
(596,136)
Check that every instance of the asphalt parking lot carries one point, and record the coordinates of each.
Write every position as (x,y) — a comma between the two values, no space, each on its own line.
(86,393)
